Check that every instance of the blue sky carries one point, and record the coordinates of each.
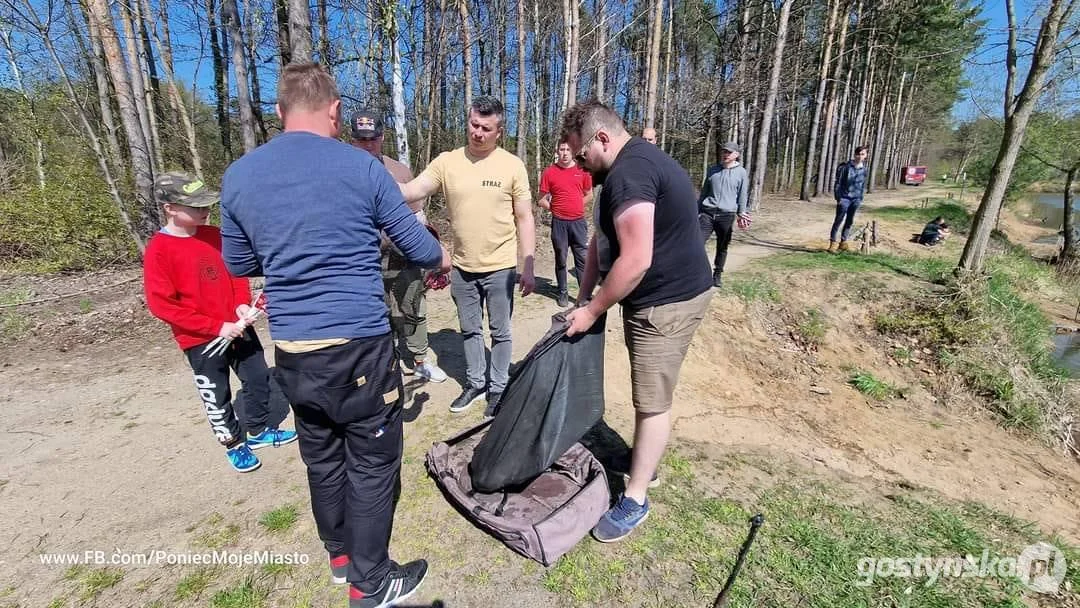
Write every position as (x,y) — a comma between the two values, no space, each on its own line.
(985,69)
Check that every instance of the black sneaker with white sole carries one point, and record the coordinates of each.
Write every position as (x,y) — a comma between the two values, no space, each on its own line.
(467,397)
(493,400)
(399,584)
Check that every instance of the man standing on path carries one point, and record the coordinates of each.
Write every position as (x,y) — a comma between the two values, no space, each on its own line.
(658,274)
(403,282)
(848,192)
(490,205)
(565,190)
(723,199)
(305,211)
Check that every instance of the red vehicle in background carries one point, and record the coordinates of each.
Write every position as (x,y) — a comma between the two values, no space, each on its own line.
(913,175)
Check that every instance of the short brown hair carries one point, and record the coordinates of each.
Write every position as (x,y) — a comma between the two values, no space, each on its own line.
(305,86)
(589,117)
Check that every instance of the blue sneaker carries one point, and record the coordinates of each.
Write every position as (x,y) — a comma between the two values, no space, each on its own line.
(274,437)
(243,459)
(620,520)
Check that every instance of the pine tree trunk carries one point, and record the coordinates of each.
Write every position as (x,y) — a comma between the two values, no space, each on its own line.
(973,257)
(601,49)
(437,76)
(231,18)
(761,155)
(466,50)
(890,152)
(221,81)
(251,55)
(538,90)
(101,78)
(164,43)
(877,154)
(281,18)
(824,175)
(324,35)
(142,169)
(300,31)
(819,101)
(522,127)
(138,88)
(667,79)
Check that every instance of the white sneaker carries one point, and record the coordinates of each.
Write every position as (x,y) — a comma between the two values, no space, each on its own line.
(430,371)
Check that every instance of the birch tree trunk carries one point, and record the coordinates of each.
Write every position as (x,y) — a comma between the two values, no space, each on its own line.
(300,30)
(654,64)
(139,151)
(39,146)
(567,34)
(761,155)
(819,100)
(231,17)
(437,77)
(324,35)
(253,25)
(149,78)
(164,43)
(1046,46)
(575,44)
(397,85)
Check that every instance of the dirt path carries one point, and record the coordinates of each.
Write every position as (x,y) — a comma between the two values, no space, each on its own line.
(105,448)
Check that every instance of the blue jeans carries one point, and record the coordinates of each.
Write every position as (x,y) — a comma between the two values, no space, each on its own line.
(845,213)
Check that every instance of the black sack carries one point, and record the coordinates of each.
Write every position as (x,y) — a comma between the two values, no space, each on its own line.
(552,399)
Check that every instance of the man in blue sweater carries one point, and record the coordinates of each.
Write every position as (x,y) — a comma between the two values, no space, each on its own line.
(848,192)
(305,210)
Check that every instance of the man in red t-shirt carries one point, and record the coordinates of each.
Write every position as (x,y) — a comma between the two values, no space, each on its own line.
(565,190)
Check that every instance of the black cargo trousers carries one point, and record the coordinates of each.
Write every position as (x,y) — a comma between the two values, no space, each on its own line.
(347,402)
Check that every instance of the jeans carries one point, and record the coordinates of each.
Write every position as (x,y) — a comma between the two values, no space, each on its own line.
(845,213)
(471,291)
(719,222)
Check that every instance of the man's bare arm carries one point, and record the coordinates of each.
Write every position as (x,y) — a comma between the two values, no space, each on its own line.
(526,233)
(545,201)
(418,189)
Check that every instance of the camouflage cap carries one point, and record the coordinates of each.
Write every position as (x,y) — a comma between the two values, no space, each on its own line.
(180,188)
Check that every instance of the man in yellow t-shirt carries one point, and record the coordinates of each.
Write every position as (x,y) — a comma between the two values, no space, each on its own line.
(490,205)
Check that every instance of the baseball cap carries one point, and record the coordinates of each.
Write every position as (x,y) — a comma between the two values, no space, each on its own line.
(182,189)
(732,147)
(366,124)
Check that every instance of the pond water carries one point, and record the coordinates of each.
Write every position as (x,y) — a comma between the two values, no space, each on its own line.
(1067,352)
(1050,208)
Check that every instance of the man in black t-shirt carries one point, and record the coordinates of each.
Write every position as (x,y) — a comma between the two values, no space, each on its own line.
(659,273)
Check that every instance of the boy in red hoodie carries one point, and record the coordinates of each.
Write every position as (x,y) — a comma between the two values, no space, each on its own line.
(188,287)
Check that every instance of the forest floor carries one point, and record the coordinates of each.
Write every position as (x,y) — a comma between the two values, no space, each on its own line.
(106,449)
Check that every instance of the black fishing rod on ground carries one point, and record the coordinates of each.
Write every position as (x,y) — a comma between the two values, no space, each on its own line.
(755,523)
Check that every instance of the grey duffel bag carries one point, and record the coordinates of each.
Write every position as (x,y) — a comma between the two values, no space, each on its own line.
(541,519)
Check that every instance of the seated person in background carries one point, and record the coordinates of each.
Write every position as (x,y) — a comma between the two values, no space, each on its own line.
(934,232)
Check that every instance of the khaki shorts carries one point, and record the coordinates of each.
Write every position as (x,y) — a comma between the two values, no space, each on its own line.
(658,338)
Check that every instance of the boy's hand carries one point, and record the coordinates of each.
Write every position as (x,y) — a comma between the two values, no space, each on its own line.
(744,221)
(231,331)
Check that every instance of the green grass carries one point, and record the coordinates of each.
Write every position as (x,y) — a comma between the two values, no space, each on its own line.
(98,580)
(752,288)
(85,305)
(931,269)
(957,216)
(218,536)
(193,584)
(872,387)
(813,326)
(243,595)
(279,519)
(807,553)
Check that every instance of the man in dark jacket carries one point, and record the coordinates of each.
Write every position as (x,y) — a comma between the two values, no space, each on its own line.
(848,192)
